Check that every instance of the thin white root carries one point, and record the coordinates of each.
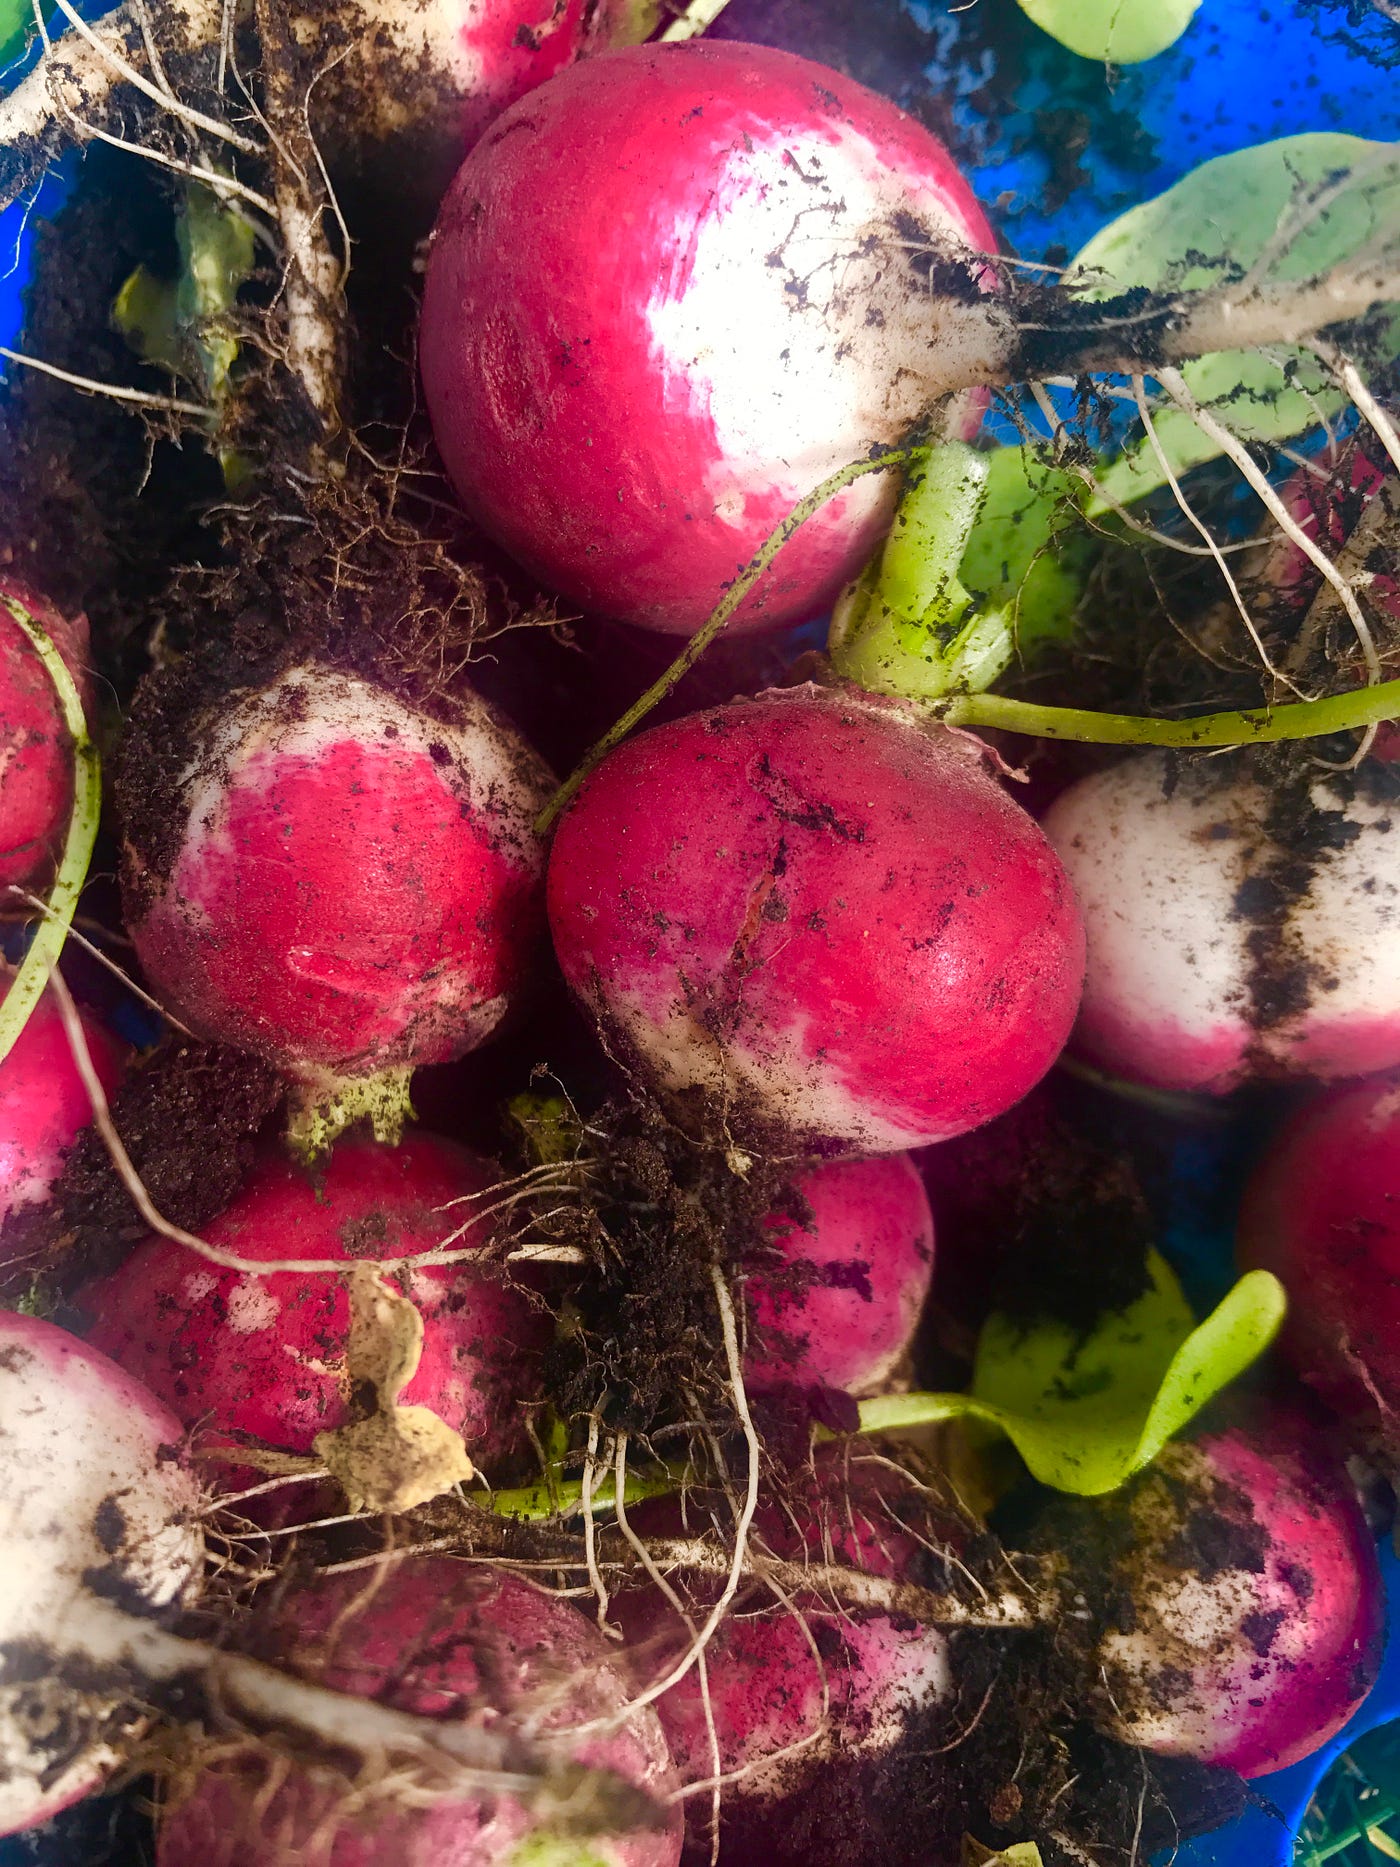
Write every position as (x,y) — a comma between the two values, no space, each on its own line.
(168,404)
(698,17)
(1351,379)
(1178,389)
(856,1588)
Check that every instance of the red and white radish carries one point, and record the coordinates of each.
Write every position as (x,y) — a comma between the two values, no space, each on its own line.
(840,1305)
(669,293)
(100,1521)
(1223,948)
(36,753)
(44,1104)
(1322,1211)
(825,919)
(263,1356)
(793,1685)
(351,885)
(1255,1611)
(449,1642)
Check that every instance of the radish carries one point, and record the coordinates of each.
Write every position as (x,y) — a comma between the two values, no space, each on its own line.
(44,1106)
(1238,930)
(337,881)
(1241,1599)
(672,291)
(822,921)
(263,1357)
(36,755)
(1322,1211)
(793,1686)
(851,1277)
(451,1642)
(101,1516)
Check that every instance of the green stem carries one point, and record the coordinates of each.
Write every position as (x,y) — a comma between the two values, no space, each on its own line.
(1305,719)
(723,610)
(28,984)
(556,1497)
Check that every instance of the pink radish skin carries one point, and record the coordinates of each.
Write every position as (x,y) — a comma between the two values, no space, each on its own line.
(44,1105)
(357,885)
(1322,1212)
(1254,1643)
(1167,875)
(674,289)
(867,1256)
(830,921)
(768,1691)
(264,1356)
(448,1641)
(36,753)
(97,1502)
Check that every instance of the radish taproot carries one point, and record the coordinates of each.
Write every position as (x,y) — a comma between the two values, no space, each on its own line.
(446,1641)
(263,1357)
(837,1303)
(1238,929)
(333,879)
(1238,1593)
(674,289)
(36,753)
(101,1514)
(1322,1211)
(44,1105)
(826,923)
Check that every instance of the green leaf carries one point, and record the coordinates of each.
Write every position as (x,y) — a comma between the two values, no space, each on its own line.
(1025,555)
(16,27)
(1085,1414)
(1119,32)
(1293,209)
(182,323)
(1019,1854)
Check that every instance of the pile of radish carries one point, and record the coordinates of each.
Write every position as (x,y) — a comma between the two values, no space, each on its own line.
(557,1447)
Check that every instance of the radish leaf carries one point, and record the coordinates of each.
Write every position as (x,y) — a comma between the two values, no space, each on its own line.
(1120,32)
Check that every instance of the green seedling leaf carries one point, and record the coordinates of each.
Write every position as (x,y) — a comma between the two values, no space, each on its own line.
(181,324)
(1085,1413)
(1118,32)
(1287,210)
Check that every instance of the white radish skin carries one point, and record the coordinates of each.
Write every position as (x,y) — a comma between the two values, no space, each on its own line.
(96,1509)
(1216,957)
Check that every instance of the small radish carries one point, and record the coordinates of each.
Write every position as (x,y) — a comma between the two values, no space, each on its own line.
(1322,1212)
(1237,930)
(100,1515)
(674,289)
(263,1357)
(36,754)
(1241,1598)
(840,1305)
(337,881)
(44,1106)
(447,1641)
(822,921)
(793,1687)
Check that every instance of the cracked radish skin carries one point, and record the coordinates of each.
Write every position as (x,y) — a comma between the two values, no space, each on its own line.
(263,1356)
(675,288)
(448,1641)
(36,753)
(349,885)
(1229,942)
(828,924)
(840,1305)
(1322,1212)
(1257,1613)
(44,1104)
(99,1508)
